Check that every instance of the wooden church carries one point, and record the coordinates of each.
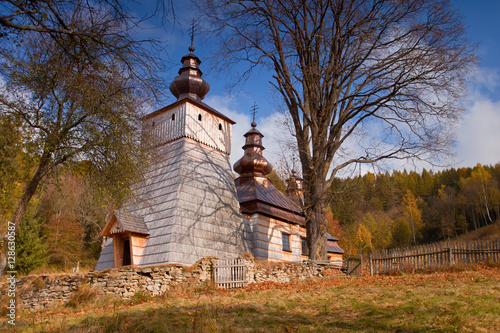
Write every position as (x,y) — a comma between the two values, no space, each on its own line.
(189,205)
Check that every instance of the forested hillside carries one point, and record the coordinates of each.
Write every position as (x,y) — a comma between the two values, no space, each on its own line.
(61,226)
(400,209)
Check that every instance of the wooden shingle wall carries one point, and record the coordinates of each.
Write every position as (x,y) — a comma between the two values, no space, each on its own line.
(190,207)
(267,239)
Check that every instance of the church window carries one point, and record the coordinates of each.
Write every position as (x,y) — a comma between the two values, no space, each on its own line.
(285,239)
(199,117)
(153,124)
(173,116)
(305,249)
(220,127)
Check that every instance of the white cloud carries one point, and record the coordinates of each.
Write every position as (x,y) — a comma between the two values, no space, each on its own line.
(484,84)
(479,134)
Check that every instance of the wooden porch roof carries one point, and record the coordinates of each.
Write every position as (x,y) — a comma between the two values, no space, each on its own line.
(124,222)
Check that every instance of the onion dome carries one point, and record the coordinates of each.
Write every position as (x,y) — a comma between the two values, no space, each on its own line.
(189,82)
(252,162)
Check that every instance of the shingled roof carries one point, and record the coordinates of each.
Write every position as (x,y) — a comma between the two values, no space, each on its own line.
(257,194)
(332,246)
(125,222)
(331,238)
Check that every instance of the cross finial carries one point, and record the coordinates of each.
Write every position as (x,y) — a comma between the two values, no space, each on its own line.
(253,111)
(191,48)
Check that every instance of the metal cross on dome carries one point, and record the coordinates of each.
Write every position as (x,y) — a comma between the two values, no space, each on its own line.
(253,111)
(192,32)
(191,47)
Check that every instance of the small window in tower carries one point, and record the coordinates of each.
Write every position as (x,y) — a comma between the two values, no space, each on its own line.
(220,127)
(153,124)
(285,238)
(173,116)
(199,117)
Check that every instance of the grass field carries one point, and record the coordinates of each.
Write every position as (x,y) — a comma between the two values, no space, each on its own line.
(462,300)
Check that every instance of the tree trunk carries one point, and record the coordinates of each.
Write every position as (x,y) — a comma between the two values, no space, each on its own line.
(29,191)
(316,232)
(315,214)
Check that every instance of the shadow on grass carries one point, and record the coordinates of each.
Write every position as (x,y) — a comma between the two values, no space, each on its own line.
(208,317)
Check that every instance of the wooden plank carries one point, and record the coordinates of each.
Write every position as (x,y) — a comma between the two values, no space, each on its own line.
(230,273)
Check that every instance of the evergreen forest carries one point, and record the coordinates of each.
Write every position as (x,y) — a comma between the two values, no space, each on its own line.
(401,209)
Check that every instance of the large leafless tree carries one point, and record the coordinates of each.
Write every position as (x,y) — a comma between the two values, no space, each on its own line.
(388,73)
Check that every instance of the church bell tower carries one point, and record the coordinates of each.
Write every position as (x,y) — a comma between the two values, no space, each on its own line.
(187,208)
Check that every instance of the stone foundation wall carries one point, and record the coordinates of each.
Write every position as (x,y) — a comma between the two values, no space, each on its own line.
(36,292)
(263,271)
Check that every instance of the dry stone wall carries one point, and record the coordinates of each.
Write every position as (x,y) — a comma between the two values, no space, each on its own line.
(36,292)
(263,271)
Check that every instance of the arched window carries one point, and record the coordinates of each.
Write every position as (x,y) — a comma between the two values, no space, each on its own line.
(199,117)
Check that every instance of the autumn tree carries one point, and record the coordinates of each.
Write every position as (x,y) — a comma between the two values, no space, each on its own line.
(363,81)
(446,204)
(413,215)
(10,165)
(380,226)
(77,77)
(75,111)
(362,239)
(484,191)
(401,233)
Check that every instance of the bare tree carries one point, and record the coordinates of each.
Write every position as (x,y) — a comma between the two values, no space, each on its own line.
(79,28)
(380,77)
(74,70)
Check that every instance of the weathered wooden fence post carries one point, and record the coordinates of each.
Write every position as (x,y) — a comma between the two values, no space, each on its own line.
(371,264)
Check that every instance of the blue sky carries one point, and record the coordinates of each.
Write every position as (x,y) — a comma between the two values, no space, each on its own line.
(478,135)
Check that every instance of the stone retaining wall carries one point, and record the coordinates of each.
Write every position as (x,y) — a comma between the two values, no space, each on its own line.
(36,292)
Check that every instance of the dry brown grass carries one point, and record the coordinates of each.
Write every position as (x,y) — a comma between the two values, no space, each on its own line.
(490,232)
(83,296)
(458,300)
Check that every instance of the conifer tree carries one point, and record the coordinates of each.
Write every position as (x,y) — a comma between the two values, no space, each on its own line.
(31,247)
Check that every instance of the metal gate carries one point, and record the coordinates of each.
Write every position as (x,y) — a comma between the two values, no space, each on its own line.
(230,273)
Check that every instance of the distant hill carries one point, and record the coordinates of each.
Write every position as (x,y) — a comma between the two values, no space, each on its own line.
(489,232)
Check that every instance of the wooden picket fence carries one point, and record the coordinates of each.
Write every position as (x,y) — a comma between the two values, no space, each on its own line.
(230,273)
(434,255)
